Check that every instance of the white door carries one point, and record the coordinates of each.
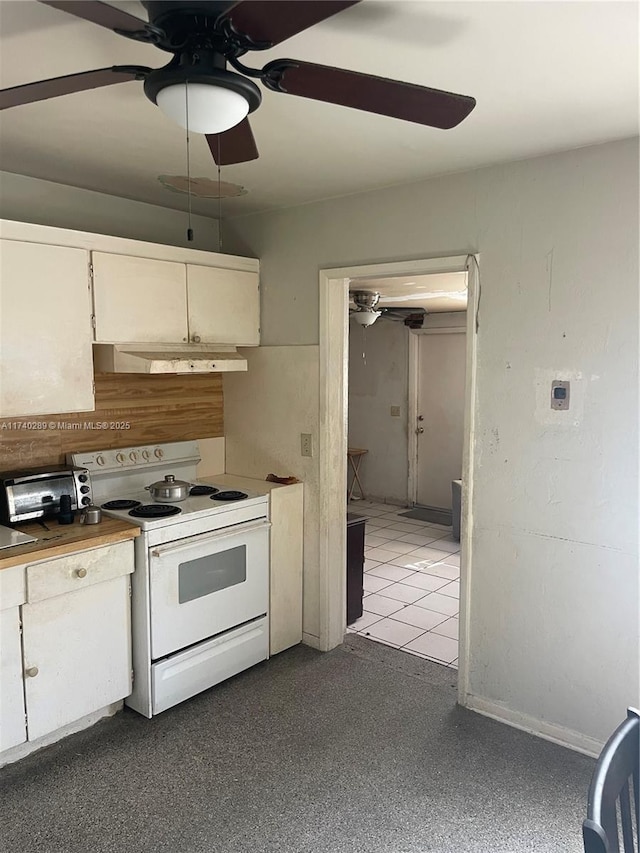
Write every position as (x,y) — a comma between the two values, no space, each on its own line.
(45,330)
(207,584)
(224,306)
(440,426)
(77,654)
(137,300)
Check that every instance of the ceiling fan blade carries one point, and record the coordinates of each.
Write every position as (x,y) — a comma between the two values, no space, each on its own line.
(419,104)
(98,13)
(236,145)
(270,23)
(42,90)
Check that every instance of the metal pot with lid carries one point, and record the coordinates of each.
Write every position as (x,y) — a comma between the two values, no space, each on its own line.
(169,489)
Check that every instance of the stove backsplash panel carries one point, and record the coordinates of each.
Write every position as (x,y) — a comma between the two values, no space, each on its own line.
(131,409)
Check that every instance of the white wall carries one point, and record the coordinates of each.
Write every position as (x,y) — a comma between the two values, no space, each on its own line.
(554,577)
(265,411)
(45,203)
(375,384)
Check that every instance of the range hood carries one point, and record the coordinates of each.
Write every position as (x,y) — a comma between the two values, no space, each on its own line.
(166,358)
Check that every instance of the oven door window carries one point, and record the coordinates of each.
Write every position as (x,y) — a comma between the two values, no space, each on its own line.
(212,573)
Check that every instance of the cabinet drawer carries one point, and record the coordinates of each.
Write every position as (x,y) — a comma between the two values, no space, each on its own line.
(76,571)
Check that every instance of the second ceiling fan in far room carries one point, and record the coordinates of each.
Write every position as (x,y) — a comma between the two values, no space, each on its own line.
(197,88)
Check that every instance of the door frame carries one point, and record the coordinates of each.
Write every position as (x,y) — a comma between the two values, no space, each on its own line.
(412,398)
(332,439)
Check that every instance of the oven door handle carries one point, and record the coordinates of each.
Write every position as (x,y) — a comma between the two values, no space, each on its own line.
(214,536)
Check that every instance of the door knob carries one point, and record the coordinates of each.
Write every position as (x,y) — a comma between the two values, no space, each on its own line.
(420,417)
(195,339)
(31,671)
(420,429)
(81,573)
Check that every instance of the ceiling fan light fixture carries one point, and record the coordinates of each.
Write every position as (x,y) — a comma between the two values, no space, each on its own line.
(212,109)
(366,318)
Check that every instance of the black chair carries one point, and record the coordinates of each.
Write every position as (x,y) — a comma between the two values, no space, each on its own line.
(611,798)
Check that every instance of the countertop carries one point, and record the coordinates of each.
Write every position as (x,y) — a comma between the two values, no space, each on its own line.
(63,539)
(248,484)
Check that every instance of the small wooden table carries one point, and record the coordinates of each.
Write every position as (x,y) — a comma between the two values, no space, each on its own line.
(354,455)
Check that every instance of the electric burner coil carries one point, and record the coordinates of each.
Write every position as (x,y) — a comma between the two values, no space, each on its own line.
(154,511)
(229,495)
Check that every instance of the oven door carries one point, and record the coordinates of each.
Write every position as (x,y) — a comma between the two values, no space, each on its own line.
(207,584)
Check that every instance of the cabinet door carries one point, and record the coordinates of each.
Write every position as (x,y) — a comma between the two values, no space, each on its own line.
(77,654)
(224,306)
(137,299)
(45,330)
(12,723)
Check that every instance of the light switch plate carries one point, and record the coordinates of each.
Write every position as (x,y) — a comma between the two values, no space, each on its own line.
(306,444)
(560,394)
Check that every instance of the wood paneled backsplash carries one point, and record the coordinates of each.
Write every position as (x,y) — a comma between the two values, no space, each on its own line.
(156,409)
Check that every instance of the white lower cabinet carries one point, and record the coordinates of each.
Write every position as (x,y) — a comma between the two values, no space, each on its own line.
(13,729)
(77,654)
(73,657)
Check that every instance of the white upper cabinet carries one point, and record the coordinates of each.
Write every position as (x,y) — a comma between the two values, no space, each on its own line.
(138,300)
(45,330)
(142,300)
(224,306)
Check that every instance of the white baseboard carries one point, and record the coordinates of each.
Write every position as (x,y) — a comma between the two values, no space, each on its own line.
(24,749)
(311,640)
(547,731)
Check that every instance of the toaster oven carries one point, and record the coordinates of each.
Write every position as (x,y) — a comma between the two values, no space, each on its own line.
(35,492)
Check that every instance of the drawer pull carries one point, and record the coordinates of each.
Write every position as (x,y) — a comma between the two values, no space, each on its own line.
(80,573)
(31,671)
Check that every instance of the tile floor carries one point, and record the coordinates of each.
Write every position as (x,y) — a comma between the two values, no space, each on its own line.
(411,584)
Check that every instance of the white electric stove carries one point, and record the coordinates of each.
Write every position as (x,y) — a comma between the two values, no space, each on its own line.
(200,591)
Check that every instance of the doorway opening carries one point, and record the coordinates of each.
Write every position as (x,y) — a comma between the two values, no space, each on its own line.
(406,398)
(384,510)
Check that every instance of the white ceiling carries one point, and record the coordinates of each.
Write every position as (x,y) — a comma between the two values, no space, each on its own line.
(547,76)
(435,293)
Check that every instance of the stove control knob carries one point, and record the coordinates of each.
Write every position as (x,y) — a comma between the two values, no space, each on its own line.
(119,457)
(85,489)
(133,456)
(83,478)
(85,501)
(100,460)
(159,453)
(145,455)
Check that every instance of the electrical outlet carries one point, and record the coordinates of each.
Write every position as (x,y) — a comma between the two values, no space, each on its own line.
(306,444)
(395,411)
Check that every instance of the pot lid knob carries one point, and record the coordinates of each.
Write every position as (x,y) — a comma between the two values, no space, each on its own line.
(169,478)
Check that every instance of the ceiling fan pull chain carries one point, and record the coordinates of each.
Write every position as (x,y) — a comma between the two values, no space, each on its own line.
(219,200)
(189,228)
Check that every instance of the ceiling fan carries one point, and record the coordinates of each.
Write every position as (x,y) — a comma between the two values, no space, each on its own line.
(366,312)
(197,88)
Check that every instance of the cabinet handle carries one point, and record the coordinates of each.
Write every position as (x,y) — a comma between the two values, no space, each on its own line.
(31,671)
(81,573)
(196,339)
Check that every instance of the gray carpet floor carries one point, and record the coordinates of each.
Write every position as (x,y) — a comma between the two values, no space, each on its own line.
(361,750)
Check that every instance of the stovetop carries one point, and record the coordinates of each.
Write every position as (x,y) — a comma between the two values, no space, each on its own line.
(122,474)
(198,506)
